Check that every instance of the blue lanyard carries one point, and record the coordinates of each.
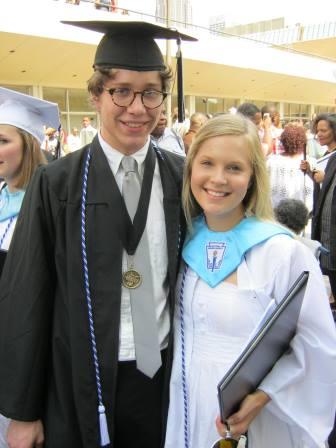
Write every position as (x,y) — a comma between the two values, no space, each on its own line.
(6,230)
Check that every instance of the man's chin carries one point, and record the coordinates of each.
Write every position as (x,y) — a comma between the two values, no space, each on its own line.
(133,145)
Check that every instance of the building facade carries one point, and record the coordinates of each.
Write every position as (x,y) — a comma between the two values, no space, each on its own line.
(49,60)
(180,11)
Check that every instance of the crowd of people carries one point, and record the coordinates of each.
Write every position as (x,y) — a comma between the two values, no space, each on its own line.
(136,264)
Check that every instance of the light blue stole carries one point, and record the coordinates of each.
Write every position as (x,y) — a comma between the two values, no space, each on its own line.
(10,203)
(215,255)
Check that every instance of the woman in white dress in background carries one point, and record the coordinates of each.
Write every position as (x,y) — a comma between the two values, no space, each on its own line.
(286,178)
(235,260)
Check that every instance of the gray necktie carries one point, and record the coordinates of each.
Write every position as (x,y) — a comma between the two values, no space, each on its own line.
(145,327)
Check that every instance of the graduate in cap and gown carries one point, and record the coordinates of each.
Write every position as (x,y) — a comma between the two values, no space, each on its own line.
(72,369)
(22,120)
(236,260)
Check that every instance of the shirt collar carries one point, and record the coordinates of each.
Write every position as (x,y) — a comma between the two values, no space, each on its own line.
(114,156)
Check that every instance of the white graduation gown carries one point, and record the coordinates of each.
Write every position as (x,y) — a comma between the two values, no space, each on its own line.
(218,321)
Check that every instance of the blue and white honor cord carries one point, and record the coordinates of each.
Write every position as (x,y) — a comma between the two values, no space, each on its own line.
(104,434)
(181,309)
(6,230)
(183,370)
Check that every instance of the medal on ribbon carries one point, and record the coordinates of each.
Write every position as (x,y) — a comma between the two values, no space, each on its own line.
(131,279)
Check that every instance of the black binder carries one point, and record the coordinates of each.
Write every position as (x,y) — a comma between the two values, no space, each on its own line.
(261,353)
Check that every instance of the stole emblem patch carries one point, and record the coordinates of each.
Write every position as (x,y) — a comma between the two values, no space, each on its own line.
(215,254)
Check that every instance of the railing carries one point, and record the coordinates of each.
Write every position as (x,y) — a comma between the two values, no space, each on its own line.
(279,37)
(319,31)
(296,33)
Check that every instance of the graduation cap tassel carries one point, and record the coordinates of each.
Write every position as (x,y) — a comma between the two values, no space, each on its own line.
(58,145)
(104,434)
(180,99)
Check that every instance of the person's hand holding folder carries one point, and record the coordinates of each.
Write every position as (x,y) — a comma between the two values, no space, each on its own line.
(239,422)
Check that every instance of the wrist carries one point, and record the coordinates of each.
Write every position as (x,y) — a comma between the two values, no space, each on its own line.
(263,397)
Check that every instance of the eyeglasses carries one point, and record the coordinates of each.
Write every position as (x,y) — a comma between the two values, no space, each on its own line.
(124,97)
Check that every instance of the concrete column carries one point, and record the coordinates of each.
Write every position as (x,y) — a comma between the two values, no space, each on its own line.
(311,111)
(36,90)
(67,103)
(281,109)
(190,104)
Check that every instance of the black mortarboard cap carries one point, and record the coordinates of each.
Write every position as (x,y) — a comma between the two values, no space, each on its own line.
(130,45)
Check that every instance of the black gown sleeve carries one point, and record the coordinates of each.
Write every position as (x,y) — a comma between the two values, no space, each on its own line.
(26,303)
(3,254)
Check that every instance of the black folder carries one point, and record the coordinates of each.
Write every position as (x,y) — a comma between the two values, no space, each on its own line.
(261,353)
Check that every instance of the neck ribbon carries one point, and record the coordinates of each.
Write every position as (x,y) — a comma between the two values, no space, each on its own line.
(216,255)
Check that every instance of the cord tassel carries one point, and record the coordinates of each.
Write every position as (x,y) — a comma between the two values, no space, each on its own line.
(104,434)
(242,442)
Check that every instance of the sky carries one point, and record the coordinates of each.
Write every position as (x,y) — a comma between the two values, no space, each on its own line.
(246,11)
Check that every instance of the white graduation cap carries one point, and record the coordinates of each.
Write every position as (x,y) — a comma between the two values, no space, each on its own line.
(27,112)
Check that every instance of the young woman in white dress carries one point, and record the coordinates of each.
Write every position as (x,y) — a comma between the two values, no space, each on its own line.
(235,260)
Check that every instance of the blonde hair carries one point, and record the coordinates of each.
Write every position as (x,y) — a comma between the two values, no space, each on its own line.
(257,201)
(32,157)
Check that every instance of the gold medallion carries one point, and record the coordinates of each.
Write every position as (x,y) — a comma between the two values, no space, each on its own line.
(131,279)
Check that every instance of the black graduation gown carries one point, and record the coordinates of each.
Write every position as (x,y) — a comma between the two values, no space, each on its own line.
(46,368)
(3,254)
(320,194)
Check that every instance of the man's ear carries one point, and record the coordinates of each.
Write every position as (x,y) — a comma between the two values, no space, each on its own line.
(94,99)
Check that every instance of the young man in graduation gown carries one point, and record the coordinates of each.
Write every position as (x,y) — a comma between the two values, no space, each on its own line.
(71,370)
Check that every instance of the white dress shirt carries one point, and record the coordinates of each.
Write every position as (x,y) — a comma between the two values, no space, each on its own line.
(171,141)
(156,230)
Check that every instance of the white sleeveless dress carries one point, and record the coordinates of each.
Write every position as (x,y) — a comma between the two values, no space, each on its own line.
(212,316)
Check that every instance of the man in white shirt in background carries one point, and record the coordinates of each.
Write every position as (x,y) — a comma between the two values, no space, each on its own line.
(74,141)
(167,138)
(87,132)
